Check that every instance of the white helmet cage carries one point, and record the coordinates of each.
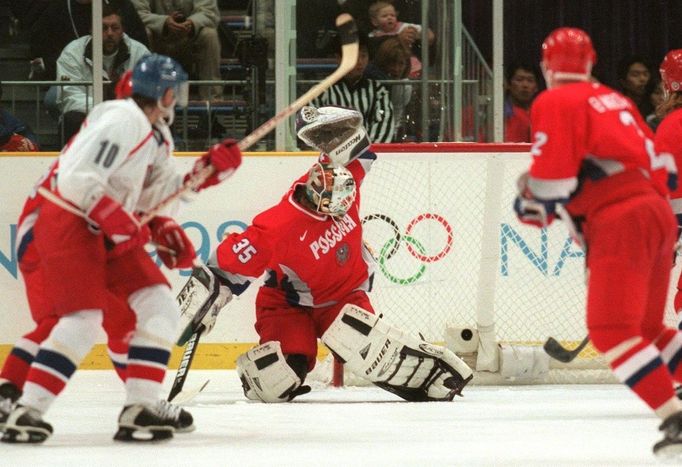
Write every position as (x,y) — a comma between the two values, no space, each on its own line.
(328,128)
(331,189)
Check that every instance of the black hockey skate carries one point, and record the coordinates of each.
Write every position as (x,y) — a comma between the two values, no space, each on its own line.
(671,444)
(9,394)
(26,425)
(183,420)
(155,422)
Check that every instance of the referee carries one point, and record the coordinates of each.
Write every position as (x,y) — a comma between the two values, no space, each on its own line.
(369,97)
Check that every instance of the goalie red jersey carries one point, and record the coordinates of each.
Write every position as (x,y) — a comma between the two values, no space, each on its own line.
(317,275)
(310,259)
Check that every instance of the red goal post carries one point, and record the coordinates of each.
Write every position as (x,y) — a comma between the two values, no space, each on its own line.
(456,266)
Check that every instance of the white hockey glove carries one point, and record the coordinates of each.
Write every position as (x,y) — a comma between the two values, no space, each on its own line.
(335,131)
(267,377)
(394,360)
(530,209)
(200,301)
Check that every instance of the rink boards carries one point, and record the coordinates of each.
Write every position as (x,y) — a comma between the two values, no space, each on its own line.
(437,195)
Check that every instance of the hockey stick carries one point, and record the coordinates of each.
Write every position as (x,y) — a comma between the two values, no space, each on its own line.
(62,203)
(558,352)
(196,328)
(349,56)
(185,363)
(187,395)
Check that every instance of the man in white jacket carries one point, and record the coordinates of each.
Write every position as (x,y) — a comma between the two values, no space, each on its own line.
(120,53)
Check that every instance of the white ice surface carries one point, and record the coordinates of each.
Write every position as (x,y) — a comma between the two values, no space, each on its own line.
(522,426)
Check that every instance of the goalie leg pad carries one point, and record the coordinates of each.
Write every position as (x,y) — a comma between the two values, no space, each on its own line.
(200,301)
(394,360)
(266,376)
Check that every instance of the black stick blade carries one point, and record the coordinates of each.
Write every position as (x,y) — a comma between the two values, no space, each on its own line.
(348,31)
(555,350)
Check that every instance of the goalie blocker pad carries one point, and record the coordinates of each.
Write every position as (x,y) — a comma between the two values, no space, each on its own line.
(394,360)
(267,377)
(200,300)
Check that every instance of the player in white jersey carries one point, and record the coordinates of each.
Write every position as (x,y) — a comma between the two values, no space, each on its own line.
(90,243)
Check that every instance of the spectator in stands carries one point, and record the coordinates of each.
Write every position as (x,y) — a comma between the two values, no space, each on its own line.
(55,23)
(187,31)
(15,135)
(634,79)
(521,86)
(316,27)
(384,18)
(368,96)
(656,98)
(75,64)
(392,62)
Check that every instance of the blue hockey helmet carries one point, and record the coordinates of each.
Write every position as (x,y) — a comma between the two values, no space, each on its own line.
(153,74)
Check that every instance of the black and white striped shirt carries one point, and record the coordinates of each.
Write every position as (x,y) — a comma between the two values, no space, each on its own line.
(370,98)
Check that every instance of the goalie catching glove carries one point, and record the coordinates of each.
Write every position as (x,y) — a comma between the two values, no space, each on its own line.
(394,360)
(200,301)
(336,131)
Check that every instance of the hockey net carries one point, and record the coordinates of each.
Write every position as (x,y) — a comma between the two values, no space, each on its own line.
(456,266)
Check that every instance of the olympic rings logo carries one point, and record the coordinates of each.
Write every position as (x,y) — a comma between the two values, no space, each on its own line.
(415,248)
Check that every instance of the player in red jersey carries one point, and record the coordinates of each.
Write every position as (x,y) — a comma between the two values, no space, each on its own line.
(668,141)
(86,259)
(593,160)
(317,275)
(668,136)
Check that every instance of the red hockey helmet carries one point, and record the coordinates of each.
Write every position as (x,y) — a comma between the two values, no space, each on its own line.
(124,86)
(671,71)
(567,53)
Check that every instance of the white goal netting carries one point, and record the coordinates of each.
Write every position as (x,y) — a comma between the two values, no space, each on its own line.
(451,255)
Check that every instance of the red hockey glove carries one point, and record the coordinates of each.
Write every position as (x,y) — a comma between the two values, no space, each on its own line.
(173,245)
(225,157)
(120,227)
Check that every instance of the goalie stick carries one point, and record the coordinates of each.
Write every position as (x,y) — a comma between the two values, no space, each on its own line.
(185,363)
(348,34)
(558,352)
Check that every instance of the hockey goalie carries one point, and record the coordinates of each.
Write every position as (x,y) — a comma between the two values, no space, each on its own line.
(318,274)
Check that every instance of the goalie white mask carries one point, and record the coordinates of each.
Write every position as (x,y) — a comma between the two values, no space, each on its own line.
(331,189)
(335,131)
